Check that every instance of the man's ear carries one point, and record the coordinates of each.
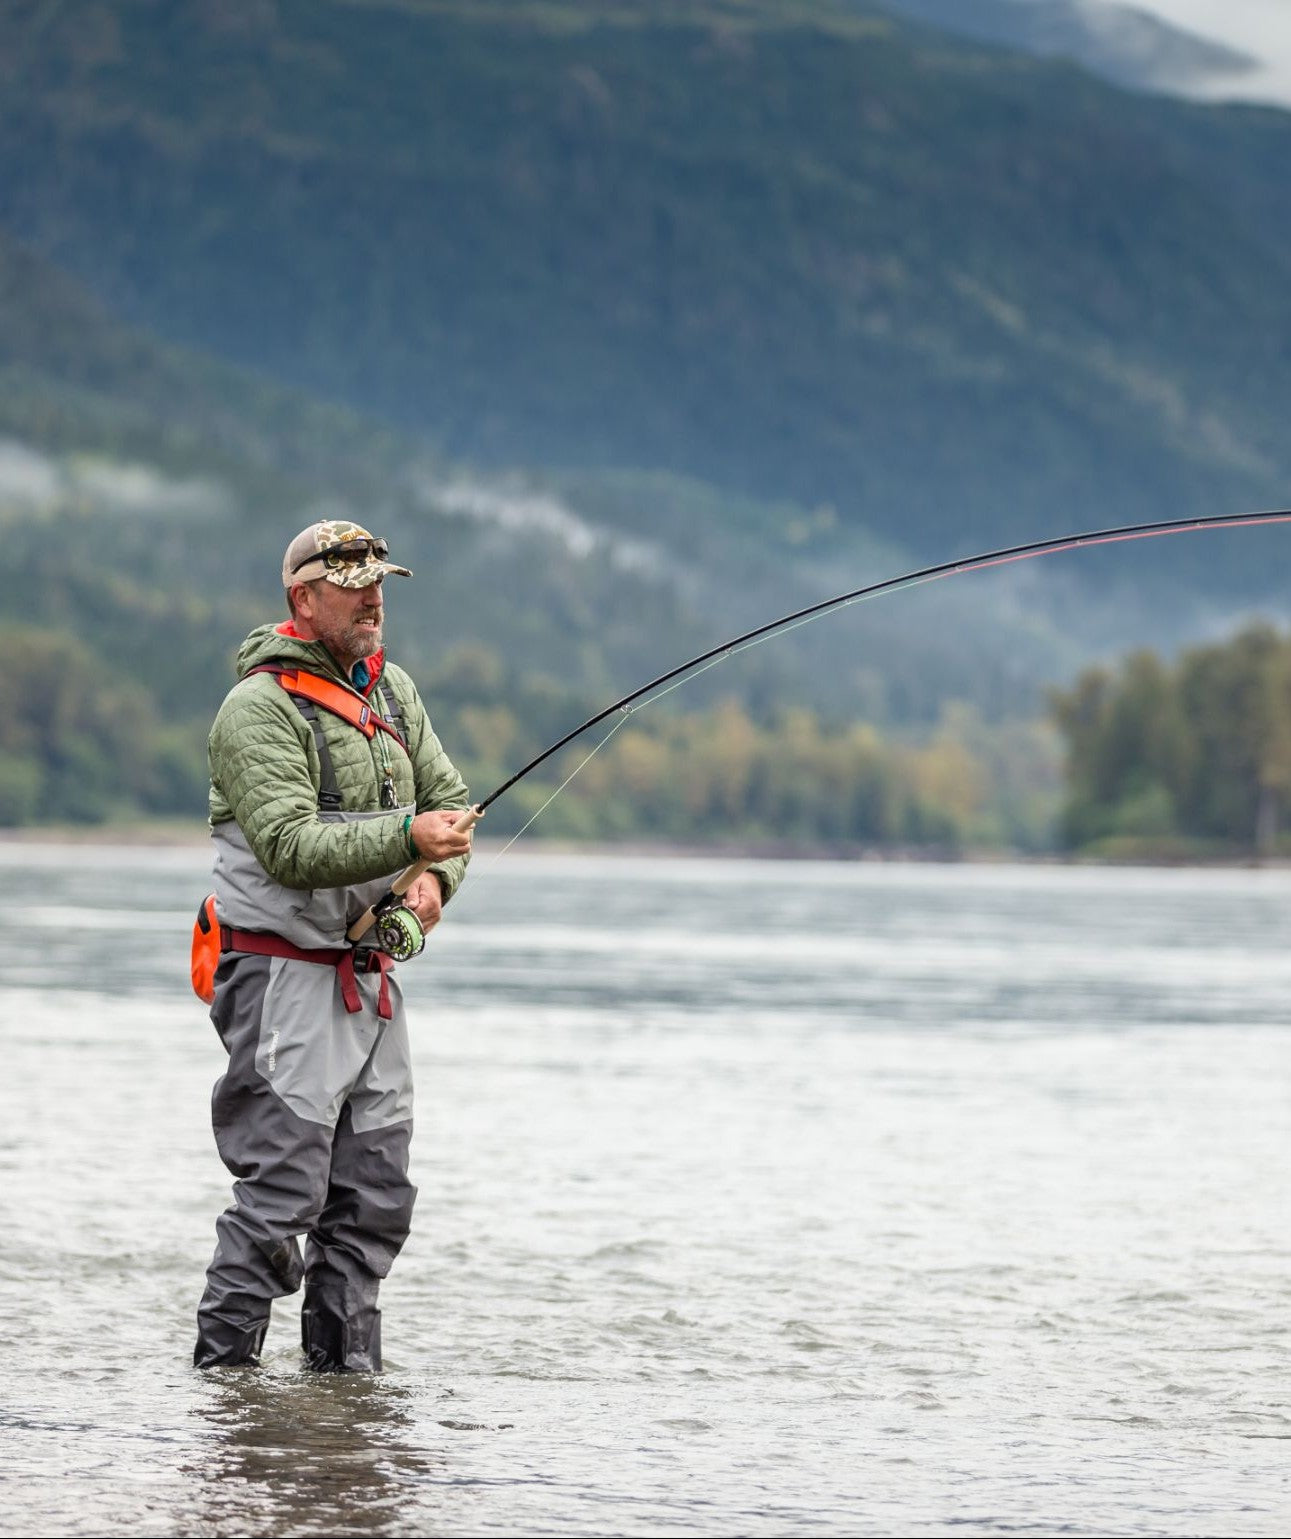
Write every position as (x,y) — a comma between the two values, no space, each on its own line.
(300,599)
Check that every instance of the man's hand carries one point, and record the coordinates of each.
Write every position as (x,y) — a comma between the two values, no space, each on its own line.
(426,899)
(436,839)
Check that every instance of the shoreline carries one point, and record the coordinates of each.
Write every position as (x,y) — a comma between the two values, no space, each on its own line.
(186,834)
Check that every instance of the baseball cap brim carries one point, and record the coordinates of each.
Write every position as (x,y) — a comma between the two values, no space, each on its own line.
(353,574)
(305,559)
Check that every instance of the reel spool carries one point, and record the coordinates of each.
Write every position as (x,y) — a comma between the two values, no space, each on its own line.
(399,933)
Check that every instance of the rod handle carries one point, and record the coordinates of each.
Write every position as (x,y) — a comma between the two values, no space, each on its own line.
(407,877)
(468,820)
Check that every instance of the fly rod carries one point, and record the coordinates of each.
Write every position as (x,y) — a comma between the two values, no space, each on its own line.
(1003,557)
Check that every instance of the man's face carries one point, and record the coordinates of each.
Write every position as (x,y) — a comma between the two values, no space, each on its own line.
(348,621)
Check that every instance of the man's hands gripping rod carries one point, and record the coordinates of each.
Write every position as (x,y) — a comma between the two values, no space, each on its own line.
(437,836)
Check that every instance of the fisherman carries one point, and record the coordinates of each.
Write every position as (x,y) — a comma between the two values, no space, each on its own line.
(326,780)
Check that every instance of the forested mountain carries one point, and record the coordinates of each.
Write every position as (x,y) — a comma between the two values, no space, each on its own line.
(634,324)
(796,250)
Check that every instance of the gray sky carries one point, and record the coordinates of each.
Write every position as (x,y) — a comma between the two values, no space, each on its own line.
(1261,28)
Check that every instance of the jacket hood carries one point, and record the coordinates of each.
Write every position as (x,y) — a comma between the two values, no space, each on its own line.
(279,643)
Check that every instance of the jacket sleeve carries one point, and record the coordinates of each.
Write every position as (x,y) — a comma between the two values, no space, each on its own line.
(438,783)
(260,761)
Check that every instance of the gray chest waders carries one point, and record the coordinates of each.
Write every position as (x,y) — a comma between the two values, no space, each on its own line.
(313,1116)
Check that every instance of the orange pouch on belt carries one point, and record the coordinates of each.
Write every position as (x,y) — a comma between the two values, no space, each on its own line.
(206,950)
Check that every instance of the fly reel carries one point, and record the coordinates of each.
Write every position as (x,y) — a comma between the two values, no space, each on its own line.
(399,933)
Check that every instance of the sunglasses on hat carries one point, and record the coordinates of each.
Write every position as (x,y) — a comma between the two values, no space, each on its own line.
(348,552)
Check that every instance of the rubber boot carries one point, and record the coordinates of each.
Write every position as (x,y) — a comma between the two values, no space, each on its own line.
(222,1345)
(334,1343)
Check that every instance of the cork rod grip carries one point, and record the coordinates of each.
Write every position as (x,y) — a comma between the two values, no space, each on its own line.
(407,877)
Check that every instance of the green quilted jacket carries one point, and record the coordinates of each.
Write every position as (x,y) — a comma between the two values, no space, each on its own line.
(264,773)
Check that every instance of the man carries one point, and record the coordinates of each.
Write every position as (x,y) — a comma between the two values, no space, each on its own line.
(326,781)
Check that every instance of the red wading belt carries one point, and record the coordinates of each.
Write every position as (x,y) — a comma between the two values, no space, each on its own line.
(343,959)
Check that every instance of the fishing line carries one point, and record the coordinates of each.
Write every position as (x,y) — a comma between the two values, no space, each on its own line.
(628,711)
(575,771)
(1003,557)
(646,694)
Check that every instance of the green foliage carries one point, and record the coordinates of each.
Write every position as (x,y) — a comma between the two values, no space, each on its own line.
(719,776)
(19,789)
(1195,751)
(80,743)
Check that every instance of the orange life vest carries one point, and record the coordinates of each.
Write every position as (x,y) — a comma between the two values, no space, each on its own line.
(314,690)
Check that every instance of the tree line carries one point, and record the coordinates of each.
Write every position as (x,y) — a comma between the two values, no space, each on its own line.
(1188,757)
(1146,757)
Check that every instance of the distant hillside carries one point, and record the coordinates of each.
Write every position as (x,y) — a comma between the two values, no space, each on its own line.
(802,253)
(140,481)
(146,494)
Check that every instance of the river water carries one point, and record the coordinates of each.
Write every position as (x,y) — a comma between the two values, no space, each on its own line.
(756,1198)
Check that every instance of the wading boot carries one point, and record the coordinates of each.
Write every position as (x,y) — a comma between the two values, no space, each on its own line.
(222,1345)
(335,1343)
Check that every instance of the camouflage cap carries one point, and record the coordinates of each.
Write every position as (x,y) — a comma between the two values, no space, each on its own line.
(307,559)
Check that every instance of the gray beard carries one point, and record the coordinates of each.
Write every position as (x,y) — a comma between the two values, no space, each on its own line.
(349,644)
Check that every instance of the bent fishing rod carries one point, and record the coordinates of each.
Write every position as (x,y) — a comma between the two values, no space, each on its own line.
(683,672)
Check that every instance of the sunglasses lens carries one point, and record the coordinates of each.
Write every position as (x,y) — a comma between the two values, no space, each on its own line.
(357,550)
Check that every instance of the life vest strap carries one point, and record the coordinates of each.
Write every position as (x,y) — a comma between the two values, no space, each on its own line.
(332,697)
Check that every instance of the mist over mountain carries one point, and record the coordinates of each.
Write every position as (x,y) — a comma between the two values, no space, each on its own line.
(636,324)
(1120,43)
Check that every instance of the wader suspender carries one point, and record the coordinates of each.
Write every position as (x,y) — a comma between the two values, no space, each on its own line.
(353,710)
(329,792)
